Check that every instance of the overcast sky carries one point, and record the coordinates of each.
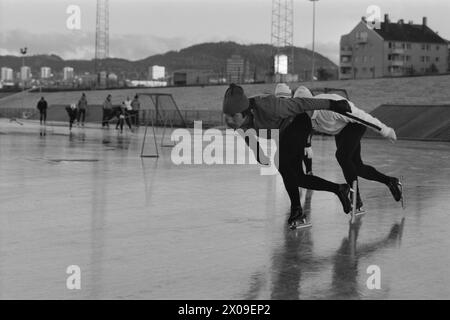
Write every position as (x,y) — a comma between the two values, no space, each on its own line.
(139,28)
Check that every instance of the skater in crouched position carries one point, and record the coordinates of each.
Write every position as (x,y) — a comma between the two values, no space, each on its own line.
(348,132)
(289,117)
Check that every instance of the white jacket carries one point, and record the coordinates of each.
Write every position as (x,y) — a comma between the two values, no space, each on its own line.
(330,122)
(127,105)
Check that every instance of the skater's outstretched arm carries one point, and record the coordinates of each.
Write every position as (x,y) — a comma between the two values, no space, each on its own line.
(331,122)
(360,116)
(288,107)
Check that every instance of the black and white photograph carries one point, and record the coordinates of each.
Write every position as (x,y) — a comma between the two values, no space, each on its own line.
(242,151)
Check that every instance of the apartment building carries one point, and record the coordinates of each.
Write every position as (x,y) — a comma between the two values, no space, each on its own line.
(393,50)
(237,69)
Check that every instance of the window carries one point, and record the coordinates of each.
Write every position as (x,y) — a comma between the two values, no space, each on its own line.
(437,48)
(408,46)
(390,45)
(389,57)
(422,58)
(437,59)
(408,58)
(428,47)
(361,36)
(423,47)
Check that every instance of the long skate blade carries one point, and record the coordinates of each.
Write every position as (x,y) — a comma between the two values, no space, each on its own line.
(353,191)
(402,199)
(360,212)
(297,226)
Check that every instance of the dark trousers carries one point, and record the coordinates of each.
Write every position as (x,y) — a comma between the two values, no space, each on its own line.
(81,115)
(121,121)
(43,115)
(107,115)
(348,154)
(291,153)
(134,116)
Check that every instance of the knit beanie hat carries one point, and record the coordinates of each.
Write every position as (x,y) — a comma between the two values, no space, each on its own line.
(235,100)
(283,91)
(302,92)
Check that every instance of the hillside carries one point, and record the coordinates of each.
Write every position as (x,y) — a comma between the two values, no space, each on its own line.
(208,56)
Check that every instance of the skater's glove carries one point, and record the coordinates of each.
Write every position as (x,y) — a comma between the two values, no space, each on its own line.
(309,152)
(389,133)
(340,106)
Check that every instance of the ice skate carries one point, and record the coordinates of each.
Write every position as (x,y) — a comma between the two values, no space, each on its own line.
(356,200)
(297,219)
(344,196)
(396,188)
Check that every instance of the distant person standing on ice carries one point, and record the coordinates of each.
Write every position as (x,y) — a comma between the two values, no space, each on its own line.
(42,107)
(82,105)
(136,106)
(282,90)
(288,116)
(107,111)
(348,133)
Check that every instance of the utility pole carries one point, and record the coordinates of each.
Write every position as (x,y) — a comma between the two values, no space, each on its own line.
(23,51)
(314,40)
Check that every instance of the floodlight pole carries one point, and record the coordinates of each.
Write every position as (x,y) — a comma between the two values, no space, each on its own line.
(314,40)
(23,51)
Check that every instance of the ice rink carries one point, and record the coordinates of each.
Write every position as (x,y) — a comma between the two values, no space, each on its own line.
(149,229)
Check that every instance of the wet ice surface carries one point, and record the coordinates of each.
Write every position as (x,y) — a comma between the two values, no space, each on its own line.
(147,229)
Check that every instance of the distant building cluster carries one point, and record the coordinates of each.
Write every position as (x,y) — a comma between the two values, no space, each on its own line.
(65,79)
(156,73)
(393,50)
(238,70)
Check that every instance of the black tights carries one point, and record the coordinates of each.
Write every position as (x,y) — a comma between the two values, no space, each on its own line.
(121,121)
(43,116)
(81,115)
(291,153)
(72,115)
(348,154)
